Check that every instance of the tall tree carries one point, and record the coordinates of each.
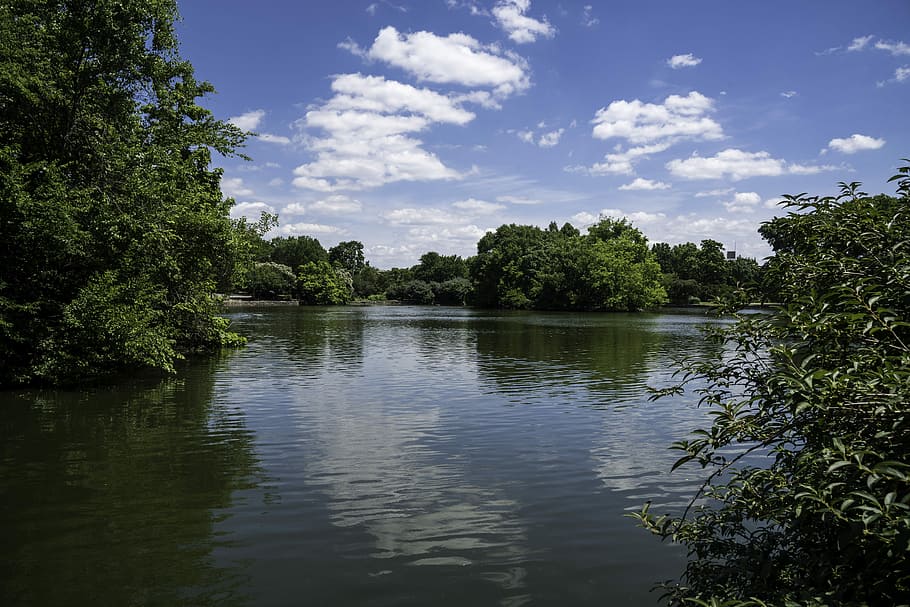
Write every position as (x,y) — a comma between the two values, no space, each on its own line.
(112,223)
(348,255)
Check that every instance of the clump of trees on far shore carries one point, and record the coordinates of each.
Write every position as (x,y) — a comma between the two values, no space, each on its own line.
(516,266)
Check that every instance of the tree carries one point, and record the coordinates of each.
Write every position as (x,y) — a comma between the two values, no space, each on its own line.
(434,267)
(320,284)
(348,255)
(294,251)
(808,497)
(269,280)
(113,229)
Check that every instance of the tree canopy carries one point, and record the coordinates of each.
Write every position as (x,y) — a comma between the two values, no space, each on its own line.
(610,268)
(113,229)
(808,497)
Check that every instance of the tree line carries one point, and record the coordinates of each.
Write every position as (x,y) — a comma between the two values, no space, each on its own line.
(516,266)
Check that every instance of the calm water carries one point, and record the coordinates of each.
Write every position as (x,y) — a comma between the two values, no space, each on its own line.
(357,456)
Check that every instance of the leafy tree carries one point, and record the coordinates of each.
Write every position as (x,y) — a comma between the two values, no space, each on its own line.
(269,280)
(434,267)
(113,230)
(320,284)
(294,251)
(558,269)
(348,255)
(370,281)
(808,497)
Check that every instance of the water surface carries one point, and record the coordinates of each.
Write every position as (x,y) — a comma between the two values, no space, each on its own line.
(358,456)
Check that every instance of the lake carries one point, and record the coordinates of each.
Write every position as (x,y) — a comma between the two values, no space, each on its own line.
(358,456)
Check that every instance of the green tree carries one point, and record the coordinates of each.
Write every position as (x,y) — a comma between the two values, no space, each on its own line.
(434,267)
(113,228)
(808,497)
(269,280)
(294,251)
(348,255)
(320,284)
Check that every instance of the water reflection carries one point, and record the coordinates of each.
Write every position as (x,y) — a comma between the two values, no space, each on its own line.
(110,496)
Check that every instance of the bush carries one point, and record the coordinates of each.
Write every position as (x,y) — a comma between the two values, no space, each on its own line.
(808,497)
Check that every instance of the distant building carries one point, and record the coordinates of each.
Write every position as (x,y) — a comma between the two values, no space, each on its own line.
(731,254)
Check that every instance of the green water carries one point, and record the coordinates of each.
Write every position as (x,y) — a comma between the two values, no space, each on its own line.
(357,456)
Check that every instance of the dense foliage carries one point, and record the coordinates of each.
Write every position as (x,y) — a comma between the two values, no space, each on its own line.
(692,273)
(610,268)
(113,230)
(320,284)
(808,498)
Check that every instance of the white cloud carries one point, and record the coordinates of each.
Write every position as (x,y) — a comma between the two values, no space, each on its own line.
(480,207)
(301,229)
(510,16)
(295,208)
(622,163)
(902,73)
(645,184)
(717,192)
(733,163)
(895,48)
(453,59)
(277,181)
(368,129)
(336,205)
(587,17)
(526,136)
(250,210)
(855,143)
(680,61)
(248,121)
(548,140)
(676,118)
(376,94)
(742,202)
(419,217)
(860,43)
(233,187)
(371,9)
(803,169)
(789,94)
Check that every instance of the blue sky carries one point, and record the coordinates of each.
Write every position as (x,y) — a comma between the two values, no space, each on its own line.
(416,126)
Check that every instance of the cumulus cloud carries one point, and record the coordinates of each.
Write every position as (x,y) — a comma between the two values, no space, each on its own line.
(902,73)
(548,140)
(302,229)
(478,207)
(419,217)
(511,18)
(789,94)
(454,59)
(855,143)
(680,61)
(678,117)
(645,184)
(622,163)
(248,121)
(295,208)
(368,129)
(742,202)
(233,187)
(737,164)
(336,205)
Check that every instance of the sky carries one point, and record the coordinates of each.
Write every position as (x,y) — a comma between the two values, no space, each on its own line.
(419,125)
